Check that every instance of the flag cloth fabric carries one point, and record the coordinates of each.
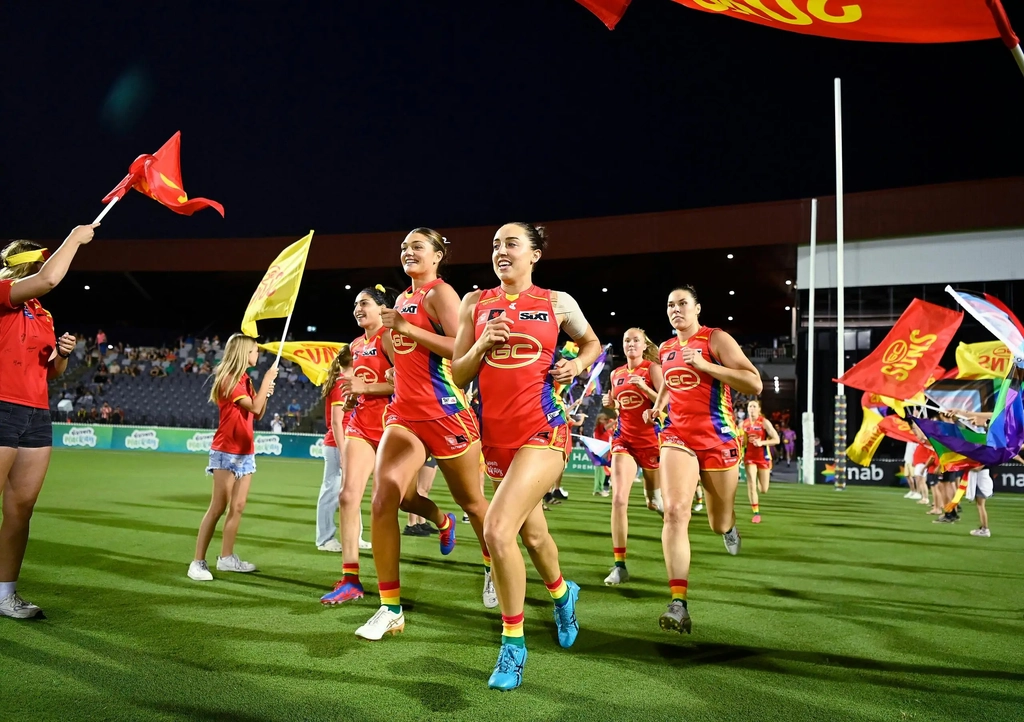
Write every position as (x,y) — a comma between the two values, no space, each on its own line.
(597,450)
(313,357)
(988,360)
(866,442)
(159,177)
(996,317)
(896,428)
(908,356)
(978,395)
(276,294)
(887,21)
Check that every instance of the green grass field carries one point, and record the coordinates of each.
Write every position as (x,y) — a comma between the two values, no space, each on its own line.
(841,607)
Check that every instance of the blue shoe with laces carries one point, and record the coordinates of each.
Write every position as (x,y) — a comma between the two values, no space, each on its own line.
(508,671)
(565,616)
(447,536)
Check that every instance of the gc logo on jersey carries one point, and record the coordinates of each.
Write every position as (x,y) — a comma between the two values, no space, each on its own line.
(682,379)
(402,344)
(630,400)
(533,316)
(368,375)
(520,350)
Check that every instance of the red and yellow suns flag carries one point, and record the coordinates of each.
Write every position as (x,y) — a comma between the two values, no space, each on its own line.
(276,294)
(906,359)
(159,177)
(989,360)
(313,357)
(864,445)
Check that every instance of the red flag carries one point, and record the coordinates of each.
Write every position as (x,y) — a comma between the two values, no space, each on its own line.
(159,177)
(907,357)
(1005,309)
(896,428)
(610,12)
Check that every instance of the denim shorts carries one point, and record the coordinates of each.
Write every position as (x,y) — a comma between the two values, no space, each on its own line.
(238,464)
(24,427)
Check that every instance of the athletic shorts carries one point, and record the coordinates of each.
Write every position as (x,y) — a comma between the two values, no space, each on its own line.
(979,483)
(920,469)
(498,459)
(445,438)
(238,464)
(932,480)
(24,427)
(645,456)
(718,458)
(952,477)
(356,430)
(759,463)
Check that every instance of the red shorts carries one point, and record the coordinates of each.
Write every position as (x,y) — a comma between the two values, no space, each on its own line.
(444,438)
(499,459)
(646,456)
(758,456)
(357,430)
(717,458)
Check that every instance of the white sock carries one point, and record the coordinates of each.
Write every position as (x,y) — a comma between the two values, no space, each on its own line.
(7,589)
(656,498)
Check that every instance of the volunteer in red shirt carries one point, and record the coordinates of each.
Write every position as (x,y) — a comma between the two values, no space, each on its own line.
(509,336)
(633,387)
(30,354)
(760,436)
(429,416)
(368,390)
(233,452)
(698,442)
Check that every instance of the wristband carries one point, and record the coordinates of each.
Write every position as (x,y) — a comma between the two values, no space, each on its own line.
(62,355)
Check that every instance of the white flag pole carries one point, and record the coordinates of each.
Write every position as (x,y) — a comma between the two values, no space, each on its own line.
(840,407)
(808,420)
(284,336)
(106,210)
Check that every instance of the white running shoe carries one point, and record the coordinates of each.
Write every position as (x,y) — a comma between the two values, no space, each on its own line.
(490,596)
(232,563)
(199,571)
(383,622)
(699,507)
(465,518)
(332,545)
(17,608)
(363,544)
(618,576)
(981,532)
(914,495)
(732,541)
(909,495)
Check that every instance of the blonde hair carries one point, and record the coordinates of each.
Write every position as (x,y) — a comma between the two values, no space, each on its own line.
(22,269)
(231,368)
(340,362)
(650,348)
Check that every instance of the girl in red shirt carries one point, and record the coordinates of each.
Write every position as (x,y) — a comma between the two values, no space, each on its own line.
(698,441)
(760,435)
(233,452)
(30,354)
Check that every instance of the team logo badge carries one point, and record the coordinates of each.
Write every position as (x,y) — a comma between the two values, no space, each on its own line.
(495,313)
(368,375)
(682,379)
(402,344)
(533,316)
(411,308)
(630,400)
(520,350)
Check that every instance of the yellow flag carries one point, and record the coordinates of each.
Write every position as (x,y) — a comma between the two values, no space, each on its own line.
(276,294)
(864,445)
(313,357)
(989,360)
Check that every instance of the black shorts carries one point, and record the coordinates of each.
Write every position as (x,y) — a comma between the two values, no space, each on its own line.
(932,480)
(24,427)
(431,462)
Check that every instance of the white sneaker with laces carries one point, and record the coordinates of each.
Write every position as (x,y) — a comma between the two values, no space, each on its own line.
(199,571)
(332,545)
(732,541)
(981,532)
(17,608)
(490,596)
(232,563)
(909,495)
(465,518)
(915,495)
(618,575)
(383,622)
(363,544)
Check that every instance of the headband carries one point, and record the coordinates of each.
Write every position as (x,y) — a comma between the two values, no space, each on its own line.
(380,288)
(27,257)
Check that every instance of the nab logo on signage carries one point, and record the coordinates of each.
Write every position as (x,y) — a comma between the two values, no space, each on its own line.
(520,350)
(533,316)
(402,344)
(682,379)
(1012,480)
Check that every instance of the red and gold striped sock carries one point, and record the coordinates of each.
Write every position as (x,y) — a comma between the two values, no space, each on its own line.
(558,590)
(678,589)
(391,595)
(446,523)
(487,562)
(350,572)
(512,630)
(755,507)
(620,556)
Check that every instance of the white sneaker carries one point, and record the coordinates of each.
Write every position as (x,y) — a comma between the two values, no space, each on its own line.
(913,495)
(618,576)
(490,596)
(332,545)
(232,563)
(981,532)
(383,622)
(909,495)
(17,608)
(465,518)
(732,541)
(699,507)
(363,544)
(199,572)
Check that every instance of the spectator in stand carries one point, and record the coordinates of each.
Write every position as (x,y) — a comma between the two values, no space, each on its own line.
(101,341)
(94,415)
(130,370)
(276,425)
(206,368)
(114,368)
(101,377)
(90,348)
(157,370)
(118,416)
(215,344)
(294,411)
(188,366)
(65,407)
(85,399)
(105,412)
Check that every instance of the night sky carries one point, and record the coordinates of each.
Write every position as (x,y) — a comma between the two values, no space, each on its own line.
(388,115)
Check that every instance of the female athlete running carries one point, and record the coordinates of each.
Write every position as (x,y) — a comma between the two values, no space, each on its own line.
(759,435)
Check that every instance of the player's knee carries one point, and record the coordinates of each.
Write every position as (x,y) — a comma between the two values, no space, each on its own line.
(497,532)
(237,507)
(677,513)
(533,540)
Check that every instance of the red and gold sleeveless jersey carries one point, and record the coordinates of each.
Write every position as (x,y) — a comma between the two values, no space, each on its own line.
(369,362)
(755,429)
(632,403)
(700,406)
(424,388)
(517,394)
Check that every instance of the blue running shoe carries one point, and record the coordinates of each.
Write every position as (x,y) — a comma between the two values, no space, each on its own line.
(343,592)
(447,536)
(565,617)
(508,670)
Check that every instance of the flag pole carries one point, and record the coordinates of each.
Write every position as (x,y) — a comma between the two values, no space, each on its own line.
(808,429)
(840,406)
(106,209)
(284,336)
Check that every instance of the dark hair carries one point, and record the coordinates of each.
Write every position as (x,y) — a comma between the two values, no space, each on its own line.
(439,242)
(689,289)
(381,295)
(536,235)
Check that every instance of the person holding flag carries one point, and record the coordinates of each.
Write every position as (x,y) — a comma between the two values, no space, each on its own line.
(429,415)
(508,337)
(699,440)
(30,354)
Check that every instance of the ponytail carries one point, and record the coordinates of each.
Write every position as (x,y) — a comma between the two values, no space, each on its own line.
(343,359)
